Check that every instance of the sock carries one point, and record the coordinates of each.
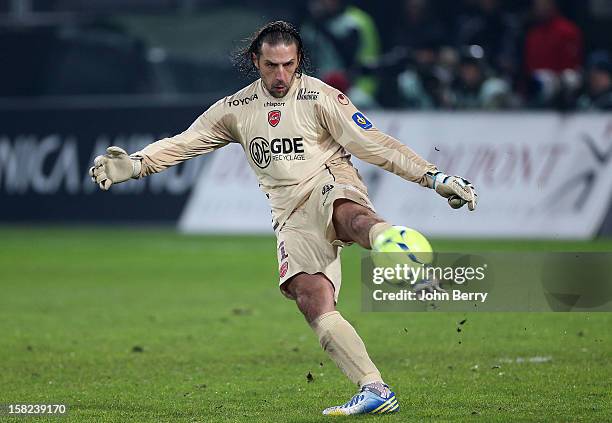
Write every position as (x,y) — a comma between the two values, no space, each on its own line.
(340,340)
(376,230)
(379,388)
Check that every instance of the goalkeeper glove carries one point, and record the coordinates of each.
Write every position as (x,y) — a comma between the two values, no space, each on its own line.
(456,189)
(114,167)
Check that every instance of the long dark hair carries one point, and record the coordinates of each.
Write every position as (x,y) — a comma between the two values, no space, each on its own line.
(272,33)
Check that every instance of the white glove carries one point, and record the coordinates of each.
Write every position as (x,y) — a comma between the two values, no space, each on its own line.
(114,167)
(428,285)
(456,189)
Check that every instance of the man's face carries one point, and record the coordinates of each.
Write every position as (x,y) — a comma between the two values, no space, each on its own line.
(277,65)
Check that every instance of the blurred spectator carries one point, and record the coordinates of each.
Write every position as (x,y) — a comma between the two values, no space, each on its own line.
(419,30)
(419,37)
(342,40)
(495,31)
(474,88)
(424,83)
(418,89)
(599,83)
(553,58)
(553,43)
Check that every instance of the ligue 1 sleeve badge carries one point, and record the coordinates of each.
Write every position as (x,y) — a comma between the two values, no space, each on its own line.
(274,117)
(362,121)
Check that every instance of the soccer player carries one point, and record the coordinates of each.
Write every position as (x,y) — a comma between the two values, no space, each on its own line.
(298,135)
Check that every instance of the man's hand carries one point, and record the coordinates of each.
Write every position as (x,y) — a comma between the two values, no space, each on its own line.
(114,167)
(457,190)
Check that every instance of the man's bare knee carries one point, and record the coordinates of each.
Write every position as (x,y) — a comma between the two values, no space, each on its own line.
(353,221)
(314,294)
(362,220)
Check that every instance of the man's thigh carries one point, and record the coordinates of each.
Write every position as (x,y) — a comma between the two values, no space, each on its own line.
(325,199)
(304,250)
(307,242)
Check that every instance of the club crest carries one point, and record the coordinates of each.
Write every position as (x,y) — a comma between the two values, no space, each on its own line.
(274,117)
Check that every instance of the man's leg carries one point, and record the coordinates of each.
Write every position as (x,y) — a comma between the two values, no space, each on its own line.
(354,222)
(314,296)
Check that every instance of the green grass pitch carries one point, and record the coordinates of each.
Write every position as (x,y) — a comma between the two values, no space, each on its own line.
(137,325)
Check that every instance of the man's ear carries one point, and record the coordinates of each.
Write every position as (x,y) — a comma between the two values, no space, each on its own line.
(254,59)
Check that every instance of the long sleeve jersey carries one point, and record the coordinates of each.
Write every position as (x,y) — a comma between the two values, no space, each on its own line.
(288,141)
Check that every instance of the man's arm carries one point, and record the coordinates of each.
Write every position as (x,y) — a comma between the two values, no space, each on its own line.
(351,129)
(210,131)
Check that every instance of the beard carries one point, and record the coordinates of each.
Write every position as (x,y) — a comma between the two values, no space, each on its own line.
(280,89)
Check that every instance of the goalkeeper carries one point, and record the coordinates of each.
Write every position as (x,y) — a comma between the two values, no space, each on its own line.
(298,135)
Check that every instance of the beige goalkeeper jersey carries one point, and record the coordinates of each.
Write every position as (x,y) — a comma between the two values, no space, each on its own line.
(287,141)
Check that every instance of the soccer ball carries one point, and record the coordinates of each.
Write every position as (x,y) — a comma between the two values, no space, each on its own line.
(400,245)
(400,239)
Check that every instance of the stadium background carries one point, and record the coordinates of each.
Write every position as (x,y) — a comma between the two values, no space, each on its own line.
(84,75)
(107,307)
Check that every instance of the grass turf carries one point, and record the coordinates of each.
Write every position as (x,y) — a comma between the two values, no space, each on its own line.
(135,325)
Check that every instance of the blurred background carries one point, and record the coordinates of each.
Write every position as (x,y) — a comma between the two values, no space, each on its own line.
(516,95)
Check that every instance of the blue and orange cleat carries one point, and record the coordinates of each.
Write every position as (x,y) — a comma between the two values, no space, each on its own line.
(366,401)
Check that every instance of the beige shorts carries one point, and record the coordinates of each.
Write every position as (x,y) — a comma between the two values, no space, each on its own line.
(307,241)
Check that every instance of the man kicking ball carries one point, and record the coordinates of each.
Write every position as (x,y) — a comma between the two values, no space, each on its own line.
(298,135)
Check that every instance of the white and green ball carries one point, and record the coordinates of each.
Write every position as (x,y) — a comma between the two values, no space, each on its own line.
(401,245)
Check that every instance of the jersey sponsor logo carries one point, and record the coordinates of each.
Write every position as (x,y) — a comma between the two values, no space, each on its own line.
(362,121)
(274,104)
(342,99)
(259,149)
(274,117)
(287,146)
(242,101)
(279,149)
(304,94)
